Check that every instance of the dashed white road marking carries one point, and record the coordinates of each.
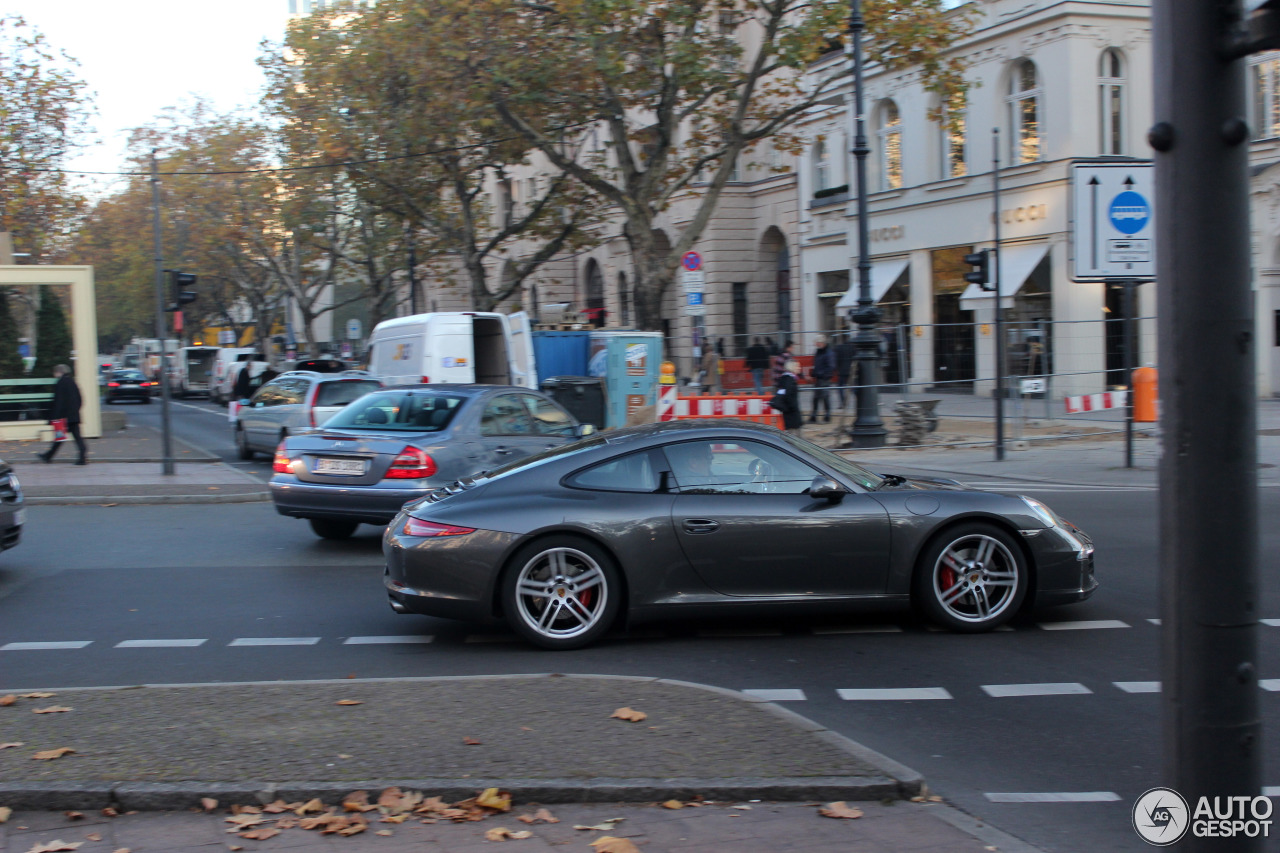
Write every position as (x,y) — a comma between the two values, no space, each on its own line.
(885,694)
(388,640)
(274,641)
(35,647)
(1057,797)
(1271,791)
(1066,688)
(1270,623)
(159,644)
(1138,686)
(777,695)
(1271,684)
(1154,621)
(1083,625)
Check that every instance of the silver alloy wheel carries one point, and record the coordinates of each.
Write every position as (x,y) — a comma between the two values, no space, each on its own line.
(975,578)
(561,593)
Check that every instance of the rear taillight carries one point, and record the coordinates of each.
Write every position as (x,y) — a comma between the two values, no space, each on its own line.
(280,462)
(113,384)
(412,464)
(418,527)
(426,380)
(146,384)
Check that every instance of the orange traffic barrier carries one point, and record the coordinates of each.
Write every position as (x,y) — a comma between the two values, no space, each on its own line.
(743,407)
(1145,394)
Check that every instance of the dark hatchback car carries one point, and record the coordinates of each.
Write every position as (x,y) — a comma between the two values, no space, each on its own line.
(127,385)
(695,517)
(397,444)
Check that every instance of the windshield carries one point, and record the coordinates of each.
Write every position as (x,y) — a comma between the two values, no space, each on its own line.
(399,411)
(853,471)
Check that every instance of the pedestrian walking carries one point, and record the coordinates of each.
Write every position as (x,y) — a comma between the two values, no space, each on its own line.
(824,370)
(758,363)
(65,407)
(844,370)
(786,397)
(780,361)
(710,369)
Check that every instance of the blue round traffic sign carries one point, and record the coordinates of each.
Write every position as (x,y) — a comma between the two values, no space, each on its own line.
(1129,212)
(692,261)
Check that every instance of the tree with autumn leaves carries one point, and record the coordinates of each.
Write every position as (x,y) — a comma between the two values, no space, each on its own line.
(44,110)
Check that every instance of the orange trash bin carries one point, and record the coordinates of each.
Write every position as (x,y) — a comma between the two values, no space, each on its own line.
(1145,394)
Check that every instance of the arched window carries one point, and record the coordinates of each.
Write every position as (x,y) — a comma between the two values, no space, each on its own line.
(1111,102)
(951,136)
(1266,96)
(890,133)
(1023,99)
(821,165)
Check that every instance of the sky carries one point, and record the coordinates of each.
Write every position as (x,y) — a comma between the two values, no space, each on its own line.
(140,56)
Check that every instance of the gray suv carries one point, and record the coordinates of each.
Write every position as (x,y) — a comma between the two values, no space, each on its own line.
(297,401)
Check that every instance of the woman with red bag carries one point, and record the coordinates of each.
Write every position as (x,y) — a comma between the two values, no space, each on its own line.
(66,408)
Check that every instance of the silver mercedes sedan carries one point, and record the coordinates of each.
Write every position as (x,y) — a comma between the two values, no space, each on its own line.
(396,445)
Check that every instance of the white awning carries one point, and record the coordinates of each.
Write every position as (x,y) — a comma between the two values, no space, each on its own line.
(883,275)
(1017,262)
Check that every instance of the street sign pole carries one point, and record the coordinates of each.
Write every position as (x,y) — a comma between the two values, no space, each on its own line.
(995,186)
(1130,286)
(166,444)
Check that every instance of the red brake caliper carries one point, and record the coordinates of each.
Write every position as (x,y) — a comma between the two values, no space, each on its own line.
(948,577)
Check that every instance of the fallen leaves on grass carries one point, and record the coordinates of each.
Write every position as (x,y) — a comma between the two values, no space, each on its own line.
(358,801)
(51,754)
(673,804)
(349,702)
(610,844)
(36,695)
(52,709)
(74,815)
(839,809)
(470,741)
(309,807)
(93,836)
(492,798)
(7,699)
(208,804)
(602,826)
(501,833)
(11,745)
(110,812)
(127,850)
(630,715)
(262,833)
(540,816)
(5,811)
(278,806)
(384,832)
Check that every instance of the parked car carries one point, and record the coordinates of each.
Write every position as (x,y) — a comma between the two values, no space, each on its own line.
(128,385)
(295,401)
(693,517)
(13,511)
(398,444)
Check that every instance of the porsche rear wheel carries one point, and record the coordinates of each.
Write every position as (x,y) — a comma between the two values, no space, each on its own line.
(561,592)
(973,578)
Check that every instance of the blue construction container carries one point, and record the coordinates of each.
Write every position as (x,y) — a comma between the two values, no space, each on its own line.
(561,353)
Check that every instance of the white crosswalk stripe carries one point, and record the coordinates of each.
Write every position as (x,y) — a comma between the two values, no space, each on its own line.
(388,640)
(33,647)
(275,641)
(160,644)
(1004,691)
(892,694)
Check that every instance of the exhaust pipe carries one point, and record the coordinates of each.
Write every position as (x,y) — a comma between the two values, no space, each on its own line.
(397,606)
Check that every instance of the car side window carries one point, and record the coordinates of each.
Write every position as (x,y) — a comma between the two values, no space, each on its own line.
(631,473)
(736,468)
(294,390)
(548,418)
(271,394)
(506,415)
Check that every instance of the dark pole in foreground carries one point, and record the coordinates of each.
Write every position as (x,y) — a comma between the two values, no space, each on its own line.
(1208,470)
(995,191)
(868,430)
(1130,286)
(161,324)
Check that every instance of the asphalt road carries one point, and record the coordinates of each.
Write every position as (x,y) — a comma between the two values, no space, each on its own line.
(267,600)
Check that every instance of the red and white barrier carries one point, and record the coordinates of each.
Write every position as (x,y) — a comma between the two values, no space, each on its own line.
(1096,402)
(671,407)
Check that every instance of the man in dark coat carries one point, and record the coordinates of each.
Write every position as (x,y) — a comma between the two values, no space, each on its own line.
(758,363)
(824,370)
(786,397)
(66,406)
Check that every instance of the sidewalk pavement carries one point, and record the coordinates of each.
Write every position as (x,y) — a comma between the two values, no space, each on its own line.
(126,467)
(735,773)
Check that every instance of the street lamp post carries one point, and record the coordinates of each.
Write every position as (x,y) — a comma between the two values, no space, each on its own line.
(868,430)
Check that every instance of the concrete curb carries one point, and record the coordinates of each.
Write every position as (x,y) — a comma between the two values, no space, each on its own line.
(891,781)
(88,500)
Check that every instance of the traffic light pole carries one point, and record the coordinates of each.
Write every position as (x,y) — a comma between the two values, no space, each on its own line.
(995,195)
(165,432)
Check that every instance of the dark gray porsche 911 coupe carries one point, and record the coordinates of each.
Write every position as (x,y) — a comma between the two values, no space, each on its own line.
(694,516)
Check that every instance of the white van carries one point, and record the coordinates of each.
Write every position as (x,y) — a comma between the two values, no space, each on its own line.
(226,368)
(456,347)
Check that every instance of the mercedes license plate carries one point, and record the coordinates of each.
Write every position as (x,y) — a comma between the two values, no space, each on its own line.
(347,467)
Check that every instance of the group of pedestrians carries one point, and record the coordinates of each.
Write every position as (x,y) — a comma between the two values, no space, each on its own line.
(832,368)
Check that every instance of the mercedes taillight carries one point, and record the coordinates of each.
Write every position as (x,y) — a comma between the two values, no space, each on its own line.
(412,464)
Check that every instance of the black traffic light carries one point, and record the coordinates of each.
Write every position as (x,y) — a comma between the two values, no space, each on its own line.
(180,295)
(981,274)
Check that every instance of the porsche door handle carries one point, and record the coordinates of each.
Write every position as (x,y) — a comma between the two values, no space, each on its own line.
(700,525)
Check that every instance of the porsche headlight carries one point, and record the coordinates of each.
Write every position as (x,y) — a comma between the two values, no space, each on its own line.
(1040,511)
(1051,520)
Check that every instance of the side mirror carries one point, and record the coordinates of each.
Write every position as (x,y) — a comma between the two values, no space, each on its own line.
(585,430)
(825,487)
